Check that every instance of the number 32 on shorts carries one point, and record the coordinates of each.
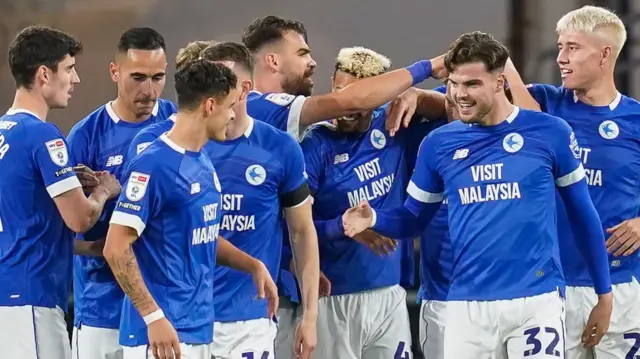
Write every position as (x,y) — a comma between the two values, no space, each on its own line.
(535,339)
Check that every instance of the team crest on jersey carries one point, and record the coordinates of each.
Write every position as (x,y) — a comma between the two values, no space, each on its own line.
(282,99)
(255,175)
(137,186)
(216,182)
(609,130)
(512,142)
(58,152)
(378,140)
(573,145)
(141,147)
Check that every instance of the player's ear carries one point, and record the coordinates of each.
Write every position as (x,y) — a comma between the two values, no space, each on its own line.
(209,106)
(42,74)
(272,61)
(500,82)
(606,55)
(245,88)
(113,72)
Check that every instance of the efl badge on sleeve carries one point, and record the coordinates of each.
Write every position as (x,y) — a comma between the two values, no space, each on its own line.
(137,186)
(58,152)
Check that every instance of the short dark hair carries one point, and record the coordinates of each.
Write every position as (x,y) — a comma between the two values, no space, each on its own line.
(268,30)
(141,38)
(37,46)
(229,51)
(476,47)
(200,79)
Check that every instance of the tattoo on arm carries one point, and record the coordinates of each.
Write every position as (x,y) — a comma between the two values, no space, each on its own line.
(127,272)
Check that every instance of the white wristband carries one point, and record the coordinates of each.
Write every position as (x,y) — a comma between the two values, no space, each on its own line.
(374,218)
(153,316)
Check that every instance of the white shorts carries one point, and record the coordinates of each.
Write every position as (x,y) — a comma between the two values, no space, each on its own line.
(95,343)
(373,325)
(622,340)
(432,319)
(199,351)
(531,327)
(250,339)
(288,315)
(29,332)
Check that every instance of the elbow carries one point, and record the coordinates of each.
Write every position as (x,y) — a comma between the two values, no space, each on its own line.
(81,224)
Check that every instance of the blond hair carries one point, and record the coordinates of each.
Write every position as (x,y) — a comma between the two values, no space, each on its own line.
(361,62)
(595,20)
(191,52)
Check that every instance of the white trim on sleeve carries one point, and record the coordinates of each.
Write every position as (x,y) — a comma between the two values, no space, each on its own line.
(423,196)
(128,220)
(567,180)
(63,186)
(293,121)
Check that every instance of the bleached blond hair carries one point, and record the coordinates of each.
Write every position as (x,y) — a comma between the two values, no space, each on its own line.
(595,20)
(361,62)
(191,52)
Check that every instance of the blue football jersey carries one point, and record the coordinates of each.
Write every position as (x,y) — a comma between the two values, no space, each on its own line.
(256,170)
(609,138)
(100,141)
(172,199)
(500,182)
(280,110)
(35,244)
(149,134)
(345,169)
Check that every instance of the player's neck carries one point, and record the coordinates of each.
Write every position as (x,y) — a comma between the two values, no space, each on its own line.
(188,132)
(601,94)
(240,124)
(32,102)
(124,113)
(266,84)
(502,108)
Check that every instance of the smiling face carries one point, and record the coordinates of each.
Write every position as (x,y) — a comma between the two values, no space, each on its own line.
(472,89)
(580,59)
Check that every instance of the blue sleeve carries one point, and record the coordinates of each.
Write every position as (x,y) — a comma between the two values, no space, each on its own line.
(79,146)
(279,110)
(584,219)
(139,143)
(294,166)
(330,230)
(314,165)
(442,89)
(141,197)
(51,157)
(547,96)
(400,222)
(426,186)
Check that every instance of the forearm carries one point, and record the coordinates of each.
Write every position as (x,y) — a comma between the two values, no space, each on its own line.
(230,256)
(401,223)
(88,248)
(125,268)
(588,233)
(97,199)
(329,230)
(304,244)
(519,93)
(430,104)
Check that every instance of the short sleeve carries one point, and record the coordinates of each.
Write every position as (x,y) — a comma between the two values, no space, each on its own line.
(566,152)
(426,185)
(79,146)
(294,171)
(279,110)
(141,196)
(312,162)
(139,143)
(547,96)
(53,160)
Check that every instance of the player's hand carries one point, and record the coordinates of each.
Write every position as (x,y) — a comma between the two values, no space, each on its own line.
(324,289)
(109,183)
(266,287)
(163,340)
(598,322)
(625,238)
(380,245)
(438,70)
(401,111)
(87,177)
(356,219)
(305,339)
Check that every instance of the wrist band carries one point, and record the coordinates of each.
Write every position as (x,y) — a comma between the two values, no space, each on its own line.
(420,71)
(153,316)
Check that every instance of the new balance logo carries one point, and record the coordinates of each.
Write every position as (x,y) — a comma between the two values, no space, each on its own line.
(195,188)
(342,158)
(460,154)
(114,161)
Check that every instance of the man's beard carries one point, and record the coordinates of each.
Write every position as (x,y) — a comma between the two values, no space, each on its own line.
(297,85)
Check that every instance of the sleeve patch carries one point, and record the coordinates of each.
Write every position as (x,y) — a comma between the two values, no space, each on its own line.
(58,152)
(141,147)
(137,186)
(573,145)
(281,99)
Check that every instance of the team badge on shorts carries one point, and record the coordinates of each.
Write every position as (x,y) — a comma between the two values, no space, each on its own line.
(58,152)
(137,186)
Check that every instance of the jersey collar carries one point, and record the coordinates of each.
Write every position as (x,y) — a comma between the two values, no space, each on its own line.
(13,111)
(249,129)
(612,105)
(116,119)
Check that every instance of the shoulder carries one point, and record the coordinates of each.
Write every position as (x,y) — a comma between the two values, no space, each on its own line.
(318,133)
(542,120)
(166,108)
(271,137)
(90,122)
(269,101)
(157,159)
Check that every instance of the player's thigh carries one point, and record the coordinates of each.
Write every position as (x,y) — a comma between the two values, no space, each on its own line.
(391,330)
(189,351)
(251,339)
(622,340)
(33,333)
(335,339)
(472,330)
(578,305)
(538,329)
(432,321)
(96,343)
(287,316)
